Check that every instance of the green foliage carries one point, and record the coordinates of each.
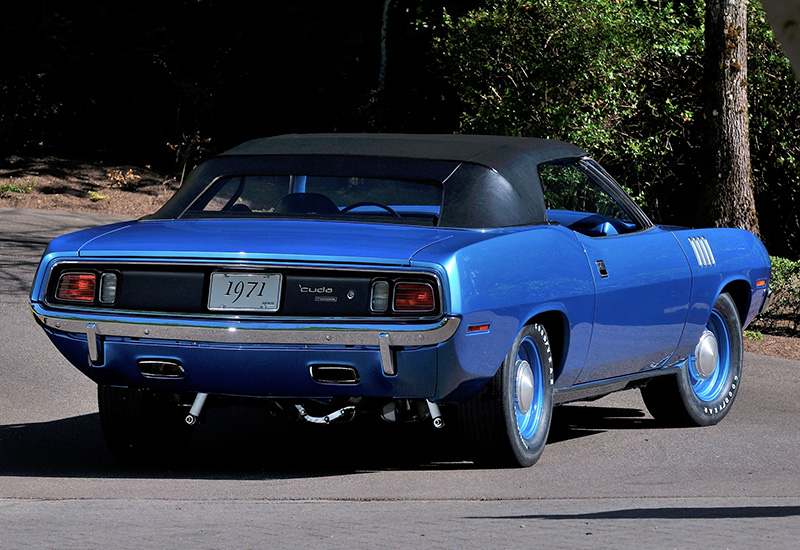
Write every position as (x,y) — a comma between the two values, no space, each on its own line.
(8,188)
(784,312)
(94,196)
(616,77)
(623,79)
(774,98)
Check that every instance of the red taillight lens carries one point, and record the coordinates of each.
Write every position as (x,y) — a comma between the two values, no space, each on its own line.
(413,297)
(76,287)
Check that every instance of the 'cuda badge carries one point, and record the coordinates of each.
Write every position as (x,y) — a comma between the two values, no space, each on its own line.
(315,290)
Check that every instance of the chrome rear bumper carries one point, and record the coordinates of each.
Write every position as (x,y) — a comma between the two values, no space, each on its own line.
(96,327)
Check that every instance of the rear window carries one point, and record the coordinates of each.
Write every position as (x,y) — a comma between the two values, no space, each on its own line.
(325,197)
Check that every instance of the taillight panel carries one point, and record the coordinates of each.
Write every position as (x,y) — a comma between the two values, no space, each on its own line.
(86,287)
(404,297)
(307,293)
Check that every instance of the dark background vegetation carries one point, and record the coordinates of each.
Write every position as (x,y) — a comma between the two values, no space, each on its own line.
(161,83)
(118,78)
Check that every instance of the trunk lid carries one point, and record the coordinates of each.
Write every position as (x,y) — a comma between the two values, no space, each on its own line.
(273,240)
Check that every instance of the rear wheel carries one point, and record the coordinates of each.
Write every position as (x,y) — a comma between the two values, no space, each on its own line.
(139,423)
(508,421)
(702,393)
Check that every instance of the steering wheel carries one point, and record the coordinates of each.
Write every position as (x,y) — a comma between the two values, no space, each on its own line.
(389,209)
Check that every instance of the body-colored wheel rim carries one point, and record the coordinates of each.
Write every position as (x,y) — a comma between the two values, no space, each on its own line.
(708,387)
(528,389)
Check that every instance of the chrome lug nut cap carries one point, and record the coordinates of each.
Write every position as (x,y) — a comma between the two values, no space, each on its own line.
(524,386)
(706,354)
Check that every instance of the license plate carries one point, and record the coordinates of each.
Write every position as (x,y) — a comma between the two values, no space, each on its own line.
(244,292)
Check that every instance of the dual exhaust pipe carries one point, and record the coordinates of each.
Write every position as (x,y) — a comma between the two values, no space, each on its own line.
(320,373)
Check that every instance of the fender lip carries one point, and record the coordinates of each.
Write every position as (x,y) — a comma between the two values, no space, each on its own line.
(384,336)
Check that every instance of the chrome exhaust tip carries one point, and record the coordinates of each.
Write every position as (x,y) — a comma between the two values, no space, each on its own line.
(334,374)
(161,368)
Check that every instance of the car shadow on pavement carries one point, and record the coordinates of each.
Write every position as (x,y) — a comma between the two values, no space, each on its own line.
(239,443)
(668,513)
(574,421)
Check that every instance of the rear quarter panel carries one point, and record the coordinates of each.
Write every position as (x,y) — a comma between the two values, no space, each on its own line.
(504,279)
(67,247)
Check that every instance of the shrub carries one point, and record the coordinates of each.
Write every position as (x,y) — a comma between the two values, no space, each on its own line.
(782,316)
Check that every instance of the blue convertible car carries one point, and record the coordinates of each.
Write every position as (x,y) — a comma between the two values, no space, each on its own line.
(468,280)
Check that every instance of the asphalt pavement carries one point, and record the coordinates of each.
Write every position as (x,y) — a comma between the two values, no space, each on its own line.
(609,477)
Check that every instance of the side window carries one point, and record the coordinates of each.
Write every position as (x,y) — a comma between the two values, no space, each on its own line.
(577,201)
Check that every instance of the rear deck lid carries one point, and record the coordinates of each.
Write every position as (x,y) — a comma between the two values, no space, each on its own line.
(274,240)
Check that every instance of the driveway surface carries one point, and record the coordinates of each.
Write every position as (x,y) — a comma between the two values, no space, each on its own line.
(608,478)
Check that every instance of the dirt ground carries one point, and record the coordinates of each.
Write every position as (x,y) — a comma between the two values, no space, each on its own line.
(53,183)
(59,184)
(787,347)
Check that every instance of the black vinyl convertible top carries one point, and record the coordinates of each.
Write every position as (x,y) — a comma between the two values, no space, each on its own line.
(501,153)
(489,181)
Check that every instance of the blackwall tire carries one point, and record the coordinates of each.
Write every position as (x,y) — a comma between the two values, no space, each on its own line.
(695,397)
(508,421)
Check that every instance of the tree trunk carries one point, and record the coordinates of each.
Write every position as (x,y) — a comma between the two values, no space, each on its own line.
(384,32)
(729,196)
